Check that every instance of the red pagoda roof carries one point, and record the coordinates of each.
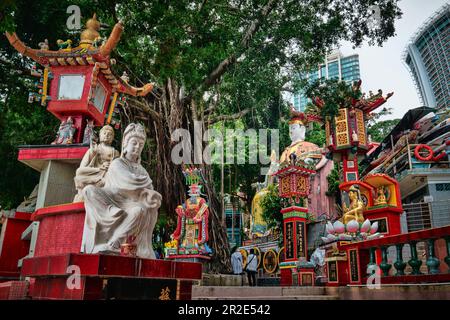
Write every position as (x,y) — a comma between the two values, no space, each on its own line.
(84,54)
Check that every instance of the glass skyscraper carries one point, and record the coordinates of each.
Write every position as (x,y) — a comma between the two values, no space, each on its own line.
(427,57)
(335,66)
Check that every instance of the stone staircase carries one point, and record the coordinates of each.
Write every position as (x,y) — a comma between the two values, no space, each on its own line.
(260,293)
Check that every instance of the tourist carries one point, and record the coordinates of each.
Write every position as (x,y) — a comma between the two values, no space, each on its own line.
(159,253)
(250,268)
(236,262)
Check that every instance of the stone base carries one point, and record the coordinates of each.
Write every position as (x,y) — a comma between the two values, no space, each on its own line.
(109,277)
(303,276)
(197,258)
(229,280)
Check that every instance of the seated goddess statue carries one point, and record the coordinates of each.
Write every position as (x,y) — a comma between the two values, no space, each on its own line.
(95,162)
(126,207)
(356,208)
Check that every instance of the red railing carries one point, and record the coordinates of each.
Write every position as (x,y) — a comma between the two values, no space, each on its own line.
(378,255)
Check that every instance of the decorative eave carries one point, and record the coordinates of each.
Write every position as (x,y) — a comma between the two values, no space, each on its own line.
(369,105)
(21,47)
(293,169)
(80,56)
(112,41)
(134,91)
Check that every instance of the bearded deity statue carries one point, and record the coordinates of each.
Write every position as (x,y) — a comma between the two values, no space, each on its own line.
(191,233)
(124,211)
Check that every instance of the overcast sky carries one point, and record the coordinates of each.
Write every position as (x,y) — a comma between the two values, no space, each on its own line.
(383,68)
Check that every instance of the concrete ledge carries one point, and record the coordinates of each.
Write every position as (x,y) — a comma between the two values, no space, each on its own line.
(386,292)
(223,280)
(393,292)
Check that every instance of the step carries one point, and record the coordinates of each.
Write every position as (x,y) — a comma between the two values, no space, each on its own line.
(312,297)
(233,292)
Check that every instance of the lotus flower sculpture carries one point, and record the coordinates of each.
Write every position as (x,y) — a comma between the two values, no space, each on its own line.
(352,231)
(365,226)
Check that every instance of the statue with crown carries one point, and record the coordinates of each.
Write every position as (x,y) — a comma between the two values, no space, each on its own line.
(122,213)
(189,240)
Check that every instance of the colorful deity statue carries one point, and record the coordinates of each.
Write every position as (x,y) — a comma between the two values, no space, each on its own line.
(66,132)
(192,227)
(313,155)
(381,196)
(304,150)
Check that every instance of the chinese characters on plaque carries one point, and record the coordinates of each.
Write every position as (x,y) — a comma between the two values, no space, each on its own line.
(301,250)
(289,240)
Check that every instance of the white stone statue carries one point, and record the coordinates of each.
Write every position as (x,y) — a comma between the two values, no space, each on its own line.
(126,207)
(95,163)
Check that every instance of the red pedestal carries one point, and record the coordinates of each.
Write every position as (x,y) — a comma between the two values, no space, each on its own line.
(295,240)
(100,276)
(295,243)
(388,220)
(109,276)
(337,271)
(306,277)
(286,277)
(37,157)
(357,265)
(60,229)
(12,248)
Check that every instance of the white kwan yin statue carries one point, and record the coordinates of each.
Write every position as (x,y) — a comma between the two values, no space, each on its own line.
(126,207)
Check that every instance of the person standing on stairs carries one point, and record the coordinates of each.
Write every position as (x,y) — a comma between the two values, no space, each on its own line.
(250,268)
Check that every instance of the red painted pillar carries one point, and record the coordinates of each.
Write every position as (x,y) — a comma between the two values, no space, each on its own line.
(350,168)
(295,241)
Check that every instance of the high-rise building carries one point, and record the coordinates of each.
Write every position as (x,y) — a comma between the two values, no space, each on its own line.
(335,66)
(427,57)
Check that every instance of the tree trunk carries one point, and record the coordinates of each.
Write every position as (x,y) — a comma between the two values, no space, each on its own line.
(163,115)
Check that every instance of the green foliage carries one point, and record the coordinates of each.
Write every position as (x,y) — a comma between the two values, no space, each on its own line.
(21,124)
(333,182)
(334,93)
(316,135)
(271,206)
(6,16)
(379,130)
(185,41)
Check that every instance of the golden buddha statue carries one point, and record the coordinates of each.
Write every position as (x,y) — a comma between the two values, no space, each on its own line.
(91,34)
(381,197)
(356,208)
(258,226)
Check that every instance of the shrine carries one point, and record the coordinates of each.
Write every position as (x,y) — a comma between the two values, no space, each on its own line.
(331,216)
(79,87)
(190,239)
